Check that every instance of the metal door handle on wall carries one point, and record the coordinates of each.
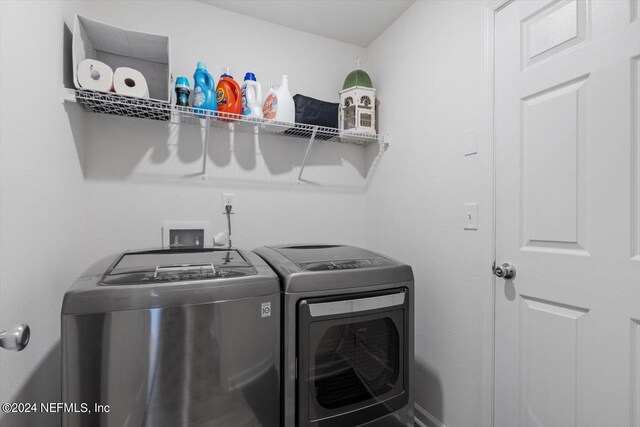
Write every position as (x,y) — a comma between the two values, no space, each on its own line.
(506,271)
(15,338)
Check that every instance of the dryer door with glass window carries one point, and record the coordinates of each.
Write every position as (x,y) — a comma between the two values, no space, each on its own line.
(352,357)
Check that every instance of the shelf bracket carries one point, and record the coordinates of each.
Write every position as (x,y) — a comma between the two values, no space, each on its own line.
(383,145)
(306,154)
(207,127)
(67,95)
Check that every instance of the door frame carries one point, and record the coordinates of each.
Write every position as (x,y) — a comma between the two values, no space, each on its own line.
(487,220)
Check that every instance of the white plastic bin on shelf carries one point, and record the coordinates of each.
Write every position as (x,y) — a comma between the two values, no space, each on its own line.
(119,47)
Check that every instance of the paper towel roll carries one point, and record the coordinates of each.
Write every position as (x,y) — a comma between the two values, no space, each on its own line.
(95,75)
(128,81)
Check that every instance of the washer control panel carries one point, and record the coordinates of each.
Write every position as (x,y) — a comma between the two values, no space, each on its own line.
(142,278)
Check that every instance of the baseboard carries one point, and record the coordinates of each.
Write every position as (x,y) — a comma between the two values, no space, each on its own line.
(425,419)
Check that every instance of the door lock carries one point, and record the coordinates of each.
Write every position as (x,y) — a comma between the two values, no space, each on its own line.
(505,270)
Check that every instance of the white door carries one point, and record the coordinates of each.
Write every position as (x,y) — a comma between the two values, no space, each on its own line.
(567,129)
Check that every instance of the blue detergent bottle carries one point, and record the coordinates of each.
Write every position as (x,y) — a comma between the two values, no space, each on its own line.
(204,90)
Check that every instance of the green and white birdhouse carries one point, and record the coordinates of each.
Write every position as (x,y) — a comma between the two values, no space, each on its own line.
(358,103)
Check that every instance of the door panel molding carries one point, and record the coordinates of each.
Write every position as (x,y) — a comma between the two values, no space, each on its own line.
(635,158)
(545,325)
(555,307)
(555,27)
(553,210)
(635,373)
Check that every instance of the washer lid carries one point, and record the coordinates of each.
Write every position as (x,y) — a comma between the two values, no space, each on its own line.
(163,265)
(117,283)
(332,257)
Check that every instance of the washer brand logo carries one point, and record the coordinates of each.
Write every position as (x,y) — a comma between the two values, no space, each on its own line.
(266,309)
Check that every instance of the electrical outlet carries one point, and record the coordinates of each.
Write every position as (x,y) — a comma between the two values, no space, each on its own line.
(227,199)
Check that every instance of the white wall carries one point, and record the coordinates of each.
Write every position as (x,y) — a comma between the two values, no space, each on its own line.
(428,73)
(41,203)
(141,173)
(77,186)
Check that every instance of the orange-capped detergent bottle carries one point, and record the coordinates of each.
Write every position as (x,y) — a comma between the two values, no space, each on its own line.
(228,95)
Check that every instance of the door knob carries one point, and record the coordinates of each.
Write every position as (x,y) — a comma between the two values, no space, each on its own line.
(15,338)
(506,270)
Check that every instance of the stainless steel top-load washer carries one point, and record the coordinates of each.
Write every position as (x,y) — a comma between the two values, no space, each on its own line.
(168,338)
(347,338)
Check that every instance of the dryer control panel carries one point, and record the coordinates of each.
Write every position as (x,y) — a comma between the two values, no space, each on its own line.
(346,264)
(332,257)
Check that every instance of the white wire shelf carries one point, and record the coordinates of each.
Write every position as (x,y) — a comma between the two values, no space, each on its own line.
(121,105)
(126,106)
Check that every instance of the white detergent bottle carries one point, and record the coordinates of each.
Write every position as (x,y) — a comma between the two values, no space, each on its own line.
(279,105)
(251,97)
(270,106)
(286,106)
